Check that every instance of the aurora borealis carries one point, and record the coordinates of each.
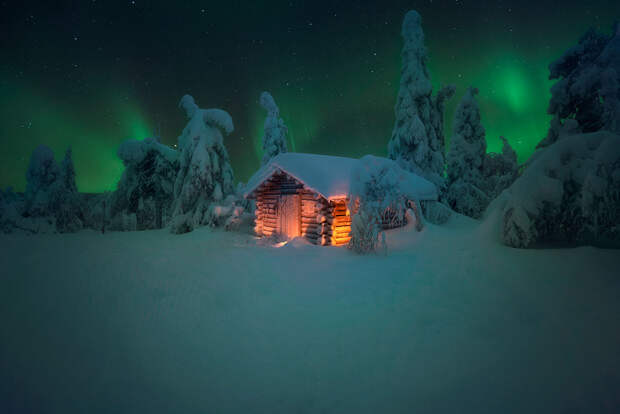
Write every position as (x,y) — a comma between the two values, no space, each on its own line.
(91,74)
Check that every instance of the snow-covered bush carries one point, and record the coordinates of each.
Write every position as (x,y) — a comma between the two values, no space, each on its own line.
(587,93)
(143,199)
(417,141)
(466,159)
(381,193)
(274,137)
(205,175)
(364,230)
(435,212)
(570,193)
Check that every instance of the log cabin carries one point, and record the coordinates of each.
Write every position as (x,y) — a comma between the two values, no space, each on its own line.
(308,195)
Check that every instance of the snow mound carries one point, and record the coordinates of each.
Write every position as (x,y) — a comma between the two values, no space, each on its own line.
(570,193)
(410,185)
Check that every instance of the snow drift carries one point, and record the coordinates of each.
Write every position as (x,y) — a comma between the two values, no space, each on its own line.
(569,193)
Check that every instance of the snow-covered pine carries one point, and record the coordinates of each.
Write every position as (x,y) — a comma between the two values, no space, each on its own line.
(68,202)
(50,203)
(146,188)
(465,158)
(11,205)
(417,141)
(275,132)
(41,176)
(586,97)
(205,174)
(569,193)
(500,170)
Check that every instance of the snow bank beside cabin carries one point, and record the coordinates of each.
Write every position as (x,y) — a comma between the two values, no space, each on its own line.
(569,193)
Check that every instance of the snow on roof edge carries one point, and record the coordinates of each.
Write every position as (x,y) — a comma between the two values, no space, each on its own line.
(273,171)
(329,176)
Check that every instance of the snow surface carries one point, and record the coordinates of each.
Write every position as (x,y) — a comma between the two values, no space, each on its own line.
(449,321)
(331,176)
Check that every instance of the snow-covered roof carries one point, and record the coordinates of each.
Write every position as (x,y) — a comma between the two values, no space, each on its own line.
(331,176)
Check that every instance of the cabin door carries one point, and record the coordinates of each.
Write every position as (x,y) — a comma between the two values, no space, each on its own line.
(289,206)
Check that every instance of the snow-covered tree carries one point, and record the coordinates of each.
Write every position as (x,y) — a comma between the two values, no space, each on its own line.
(68,202)
(10,207)
(274,137)
(51,201)
(365,228)
(417,141)
(500,170)
(41,177)
(143,199)
(381,193)
(586,97)
(569,193)
(205,174)
(466,159)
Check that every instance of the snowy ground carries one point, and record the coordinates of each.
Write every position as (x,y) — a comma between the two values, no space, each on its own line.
(211,322)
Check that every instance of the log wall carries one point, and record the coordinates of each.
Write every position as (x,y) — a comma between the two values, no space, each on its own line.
(341,226)
(322,222)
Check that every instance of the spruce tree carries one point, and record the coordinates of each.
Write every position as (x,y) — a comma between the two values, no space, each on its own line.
(417,141)
(466,157)
(205,174)
(275,132)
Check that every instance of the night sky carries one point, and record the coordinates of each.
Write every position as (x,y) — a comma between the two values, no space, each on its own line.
(90,74)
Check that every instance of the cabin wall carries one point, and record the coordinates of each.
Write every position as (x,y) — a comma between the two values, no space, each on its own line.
(267,221)
(322,222)
(340,226)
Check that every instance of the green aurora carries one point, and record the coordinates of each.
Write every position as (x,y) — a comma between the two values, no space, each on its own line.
(335,90)
(44,119)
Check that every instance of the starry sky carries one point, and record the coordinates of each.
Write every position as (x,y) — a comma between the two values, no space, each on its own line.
(90,74)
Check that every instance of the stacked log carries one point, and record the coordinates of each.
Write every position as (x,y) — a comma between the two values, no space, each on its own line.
(313,206)
(324,218)
(341,226)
